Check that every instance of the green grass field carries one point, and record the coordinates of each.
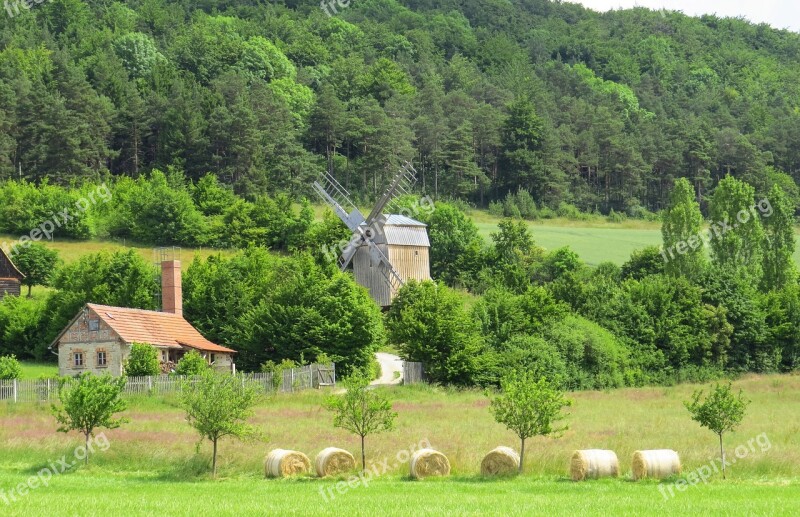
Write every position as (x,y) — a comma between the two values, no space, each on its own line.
(72,250)
(595,240)
(151,466)
(31,370)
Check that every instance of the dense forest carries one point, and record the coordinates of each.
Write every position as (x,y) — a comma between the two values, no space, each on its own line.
(205,124)
(599,111)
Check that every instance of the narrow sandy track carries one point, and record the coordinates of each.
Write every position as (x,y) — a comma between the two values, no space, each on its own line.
(391,369)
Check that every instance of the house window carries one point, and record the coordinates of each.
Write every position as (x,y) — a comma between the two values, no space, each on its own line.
(163,356)
(94,325)
(77,360)
(213,358)
(101,358)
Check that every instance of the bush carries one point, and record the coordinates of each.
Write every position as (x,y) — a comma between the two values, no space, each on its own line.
(510,208)
(534,354)
(142,361)
(10,368)
(569,211)
(594,357)
(192,364)
(547,213)
(496,209)
(277,369)
(616,217)
(527,207)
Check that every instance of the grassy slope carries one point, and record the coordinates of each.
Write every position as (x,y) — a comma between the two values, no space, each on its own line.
(31,370)
(70,250)
(151,466)
(595,240)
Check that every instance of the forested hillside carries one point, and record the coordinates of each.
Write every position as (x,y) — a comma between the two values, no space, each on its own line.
(602,111)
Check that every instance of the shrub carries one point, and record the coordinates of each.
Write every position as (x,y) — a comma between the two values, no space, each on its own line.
(192,364)
(616,217)
(496,209)
(570,211)
(534,354)
(142,361)
(527,207)
(510,208)
(10,368)
(594,357)
(277,369)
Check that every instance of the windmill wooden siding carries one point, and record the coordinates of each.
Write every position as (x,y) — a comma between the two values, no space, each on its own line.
(405,243)
(10,277)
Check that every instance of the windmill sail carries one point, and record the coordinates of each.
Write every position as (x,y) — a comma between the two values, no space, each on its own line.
(339,200)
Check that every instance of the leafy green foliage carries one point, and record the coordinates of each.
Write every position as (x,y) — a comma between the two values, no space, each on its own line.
(739,244)
(360,410)
(529,405)
(683,249)
(10,368)
(90,402)
(192,363)
(142,361)
(219,405)
(428,323)
(21,327)
(36,262)
(271,308)
(721,411)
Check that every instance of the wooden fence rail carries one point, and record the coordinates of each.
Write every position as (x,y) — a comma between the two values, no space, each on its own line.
(295,379)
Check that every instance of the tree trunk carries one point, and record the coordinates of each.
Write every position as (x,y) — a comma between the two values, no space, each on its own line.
(363,456)
(214,460)
(86,444)
(29,290)
(521,454)
(722,455)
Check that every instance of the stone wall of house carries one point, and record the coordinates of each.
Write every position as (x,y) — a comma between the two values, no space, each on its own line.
(90,335)
(222,362)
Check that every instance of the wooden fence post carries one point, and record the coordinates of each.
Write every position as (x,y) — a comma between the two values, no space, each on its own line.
(15,391)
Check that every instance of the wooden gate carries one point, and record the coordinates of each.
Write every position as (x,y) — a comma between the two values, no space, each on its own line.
(326,376)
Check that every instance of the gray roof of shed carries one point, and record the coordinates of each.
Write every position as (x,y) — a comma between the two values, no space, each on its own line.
(404,231)
(402,220)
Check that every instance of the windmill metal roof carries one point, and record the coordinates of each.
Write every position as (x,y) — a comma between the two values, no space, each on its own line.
(402,220)
(406,235)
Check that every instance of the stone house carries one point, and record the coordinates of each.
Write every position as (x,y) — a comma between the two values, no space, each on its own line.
(10,277)
(99,337)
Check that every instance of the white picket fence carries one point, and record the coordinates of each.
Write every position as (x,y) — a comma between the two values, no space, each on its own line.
(295,379)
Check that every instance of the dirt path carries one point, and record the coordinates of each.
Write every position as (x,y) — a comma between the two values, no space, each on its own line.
(391,369)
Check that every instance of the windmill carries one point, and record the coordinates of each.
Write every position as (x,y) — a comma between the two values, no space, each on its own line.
(385,250)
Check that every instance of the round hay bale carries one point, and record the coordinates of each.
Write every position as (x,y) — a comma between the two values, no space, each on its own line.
(658,464)
(593,464)
(502,461)
(333,461)
(283,463)
(427,463)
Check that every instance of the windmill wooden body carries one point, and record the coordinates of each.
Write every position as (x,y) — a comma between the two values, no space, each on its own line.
(385,250)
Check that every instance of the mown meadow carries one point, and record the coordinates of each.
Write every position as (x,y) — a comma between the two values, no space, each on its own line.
(152,464)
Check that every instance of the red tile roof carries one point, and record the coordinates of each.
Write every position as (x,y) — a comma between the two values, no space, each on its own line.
(154,328)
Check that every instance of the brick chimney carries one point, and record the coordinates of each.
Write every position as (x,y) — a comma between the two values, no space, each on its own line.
(171,290)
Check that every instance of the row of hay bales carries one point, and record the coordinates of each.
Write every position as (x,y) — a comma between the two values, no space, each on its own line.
(502,461)
(597,463)
(333,462)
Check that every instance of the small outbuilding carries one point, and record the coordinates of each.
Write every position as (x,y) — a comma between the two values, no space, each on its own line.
(10,277)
